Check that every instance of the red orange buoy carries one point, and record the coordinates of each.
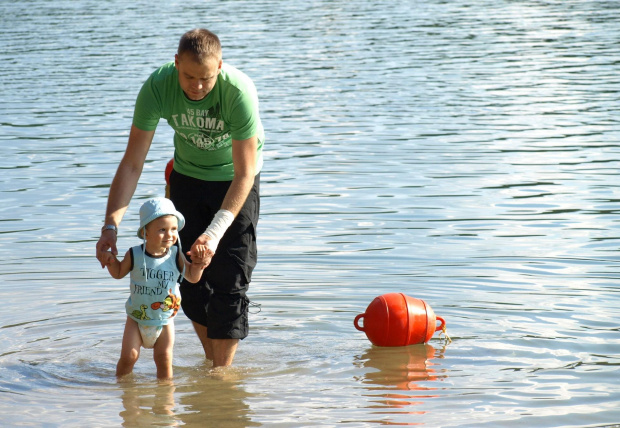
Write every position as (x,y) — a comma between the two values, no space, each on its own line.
(169,167)
(394,319)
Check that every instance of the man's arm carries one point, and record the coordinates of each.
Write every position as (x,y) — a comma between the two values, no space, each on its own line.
(244,162)
(123,186)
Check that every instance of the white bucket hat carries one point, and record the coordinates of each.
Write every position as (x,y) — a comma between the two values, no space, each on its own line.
(155,208)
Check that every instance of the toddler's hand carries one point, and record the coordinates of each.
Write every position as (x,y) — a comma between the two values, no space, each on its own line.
(107,258)
(201,255)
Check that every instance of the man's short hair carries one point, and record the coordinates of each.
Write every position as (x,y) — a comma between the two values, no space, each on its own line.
(202,44)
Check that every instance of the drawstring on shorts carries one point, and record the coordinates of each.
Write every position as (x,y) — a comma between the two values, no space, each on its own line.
(252,304)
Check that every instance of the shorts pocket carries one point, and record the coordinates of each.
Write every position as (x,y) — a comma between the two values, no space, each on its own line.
(244,252)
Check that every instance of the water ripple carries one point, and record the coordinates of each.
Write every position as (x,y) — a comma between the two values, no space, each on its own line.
(461,152)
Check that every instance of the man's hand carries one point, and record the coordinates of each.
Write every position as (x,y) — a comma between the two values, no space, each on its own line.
(107,241)
(201,252)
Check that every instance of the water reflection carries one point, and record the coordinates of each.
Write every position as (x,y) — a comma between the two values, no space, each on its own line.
(404,370)
(212,397)
(148,405)
(215,398)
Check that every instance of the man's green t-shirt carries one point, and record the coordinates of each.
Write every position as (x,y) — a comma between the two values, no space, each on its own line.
(203,130)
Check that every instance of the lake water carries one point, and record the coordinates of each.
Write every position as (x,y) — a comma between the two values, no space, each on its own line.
(465,153)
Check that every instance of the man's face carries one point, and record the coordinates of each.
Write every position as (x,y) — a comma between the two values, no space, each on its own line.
(197,79)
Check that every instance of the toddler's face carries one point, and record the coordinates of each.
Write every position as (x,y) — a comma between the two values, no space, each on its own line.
(163,232)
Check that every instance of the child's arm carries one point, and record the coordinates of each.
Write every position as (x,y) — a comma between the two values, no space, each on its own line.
(193,271)
(118,269)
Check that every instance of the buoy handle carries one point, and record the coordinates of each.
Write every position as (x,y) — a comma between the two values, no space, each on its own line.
(355,322)
(442,325)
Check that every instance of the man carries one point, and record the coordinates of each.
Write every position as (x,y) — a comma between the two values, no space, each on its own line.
(218,141)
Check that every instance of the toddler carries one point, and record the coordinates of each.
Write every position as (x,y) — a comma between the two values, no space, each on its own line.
(156,267)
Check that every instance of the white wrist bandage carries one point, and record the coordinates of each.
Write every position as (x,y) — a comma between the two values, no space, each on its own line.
(220,223)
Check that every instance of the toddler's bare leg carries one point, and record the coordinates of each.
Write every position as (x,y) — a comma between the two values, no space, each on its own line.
(162,352)
(130,351)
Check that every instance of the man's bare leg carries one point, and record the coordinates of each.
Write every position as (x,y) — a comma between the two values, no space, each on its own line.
(220,351)
(223,351)
(201,331)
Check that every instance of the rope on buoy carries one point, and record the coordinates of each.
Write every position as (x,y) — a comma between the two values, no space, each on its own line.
(445,333)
